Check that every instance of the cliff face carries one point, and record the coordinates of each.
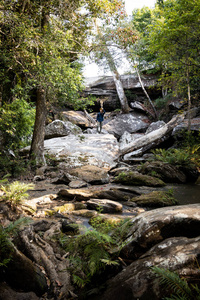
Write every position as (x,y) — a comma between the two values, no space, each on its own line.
(104,89)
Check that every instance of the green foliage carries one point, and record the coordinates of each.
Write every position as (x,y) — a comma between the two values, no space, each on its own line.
(13,165)
(178,157)
(15,192)
(16,123)
(178,287)
(174,40)
(162,101)
(90,252)
(88,255)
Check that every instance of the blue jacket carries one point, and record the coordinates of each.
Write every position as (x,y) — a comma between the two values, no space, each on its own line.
(100,116)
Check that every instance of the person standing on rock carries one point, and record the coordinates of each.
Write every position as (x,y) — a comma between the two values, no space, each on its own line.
(100,118)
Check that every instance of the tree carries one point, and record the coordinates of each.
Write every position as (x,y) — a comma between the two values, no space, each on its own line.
(174,38)
(40,42)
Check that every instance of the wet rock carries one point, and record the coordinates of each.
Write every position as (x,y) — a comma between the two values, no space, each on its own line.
(136,178)
(104,205)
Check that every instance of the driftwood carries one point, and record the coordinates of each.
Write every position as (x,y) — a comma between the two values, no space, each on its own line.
(153,138)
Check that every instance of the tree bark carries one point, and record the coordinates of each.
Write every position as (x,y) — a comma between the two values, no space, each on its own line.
(118,84)
(153,138)
(144,90)
(37,146)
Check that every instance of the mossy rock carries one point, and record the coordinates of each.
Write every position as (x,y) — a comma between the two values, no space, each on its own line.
(155,199)
(135,178)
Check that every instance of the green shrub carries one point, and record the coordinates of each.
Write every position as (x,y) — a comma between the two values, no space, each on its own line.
(16,123)
(179,157)
(15,192)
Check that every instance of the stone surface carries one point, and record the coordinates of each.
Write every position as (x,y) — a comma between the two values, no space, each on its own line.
(91,174)
(136,178)
(76,117)
(104,205)
(131,123)
(154,226)
(92,149)
(155,199)
(137,281)
(60,128)
(171,173)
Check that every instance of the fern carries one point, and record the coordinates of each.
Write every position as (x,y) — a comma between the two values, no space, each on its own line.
(15,192)
(179,286)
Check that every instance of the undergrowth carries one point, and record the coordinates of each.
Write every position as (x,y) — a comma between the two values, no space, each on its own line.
(91,252)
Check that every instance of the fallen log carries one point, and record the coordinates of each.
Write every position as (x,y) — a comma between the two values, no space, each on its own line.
(154,138)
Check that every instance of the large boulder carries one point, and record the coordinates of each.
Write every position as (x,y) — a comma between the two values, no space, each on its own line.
(76,117)
(91,174)
(60,128)
(85,149)
(155,199)
(154,226)
(137,281)
(136,178)
(132,122)
(171,173)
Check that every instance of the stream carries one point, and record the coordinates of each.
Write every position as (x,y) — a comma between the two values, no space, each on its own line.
(187,193)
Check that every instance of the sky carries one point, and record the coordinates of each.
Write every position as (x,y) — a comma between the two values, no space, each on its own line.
(91,69)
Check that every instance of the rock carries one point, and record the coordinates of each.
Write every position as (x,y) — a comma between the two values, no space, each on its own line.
(135,178)
(127,138)
(179,129)
(170,173)
(104,205)
(91,174)
(85,213)
(22,274)
(154,226)
(76,117)
(78,194)
(77,184)
(154,126)
(86,149)
(137,281)
(6,293)
(155,199)
(69,228)
(60,128)
(131,123)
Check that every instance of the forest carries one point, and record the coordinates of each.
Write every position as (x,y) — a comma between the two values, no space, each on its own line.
(43,44)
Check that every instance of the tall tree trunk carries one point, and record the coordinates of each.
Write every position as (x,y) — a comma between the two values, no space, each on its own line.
(37,146)
(189,100)
(144,90)
(118,83)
